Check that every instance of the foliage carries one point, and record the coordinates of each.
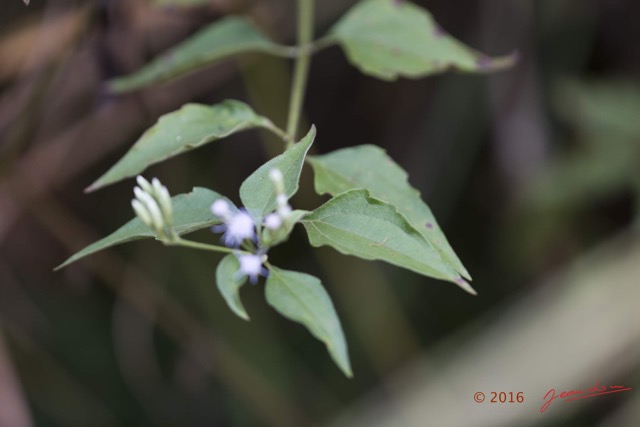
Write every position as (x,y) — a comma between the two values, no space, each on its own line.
(374,213)
(388,39)
(221,40)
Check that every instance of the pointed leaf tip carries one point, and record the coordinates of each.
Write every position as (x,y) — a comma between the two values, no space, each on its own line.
(180,131)
(302,298)
(224,39)
(465,286)
(229,284)
(190,213)
(389,39)
(362,167)
(354,223)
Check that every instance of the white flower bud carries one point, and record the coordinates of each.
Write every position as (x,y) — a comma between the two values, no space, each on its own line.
(152,207)
(144,184)
(284,211)
(164,199)
(281,200)
(138,192)
(220,208)
(276,177)
(273,221)
(141,212)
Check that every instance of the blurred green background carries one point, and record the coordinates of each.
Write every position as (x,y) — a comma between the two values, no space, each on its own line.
(532,173)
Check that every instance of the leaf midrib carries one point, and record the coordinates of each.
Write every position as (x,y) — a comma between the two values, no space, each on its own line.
(311,222)
(302,302)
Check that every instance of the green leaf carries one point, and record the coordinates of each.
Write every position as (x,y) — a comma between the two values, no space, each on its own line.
(301,298)
(191,212)
(369,167)
(258,193)
(186,129)
(392,38)
(229,284)
(357,224)
(221,40)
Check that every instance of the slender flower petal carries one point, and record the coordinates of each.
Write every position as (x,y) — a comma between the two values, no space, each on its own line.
(155,183)
(144,184)
(163,198)
(152,207)
(141,212)
(139,193)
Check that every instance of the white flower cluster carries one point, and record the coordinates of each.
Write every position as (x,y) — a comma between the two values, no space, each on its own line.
(239,227)
(152,204)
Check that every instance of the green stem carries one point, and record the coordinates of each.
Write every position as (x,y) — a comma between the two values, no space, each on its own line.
(204,246)
(280,133)
(293,52)
(323,43)
(301,70)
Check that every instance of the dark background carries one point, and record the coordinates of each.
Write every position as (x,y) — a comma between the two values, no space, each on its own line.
(532,173)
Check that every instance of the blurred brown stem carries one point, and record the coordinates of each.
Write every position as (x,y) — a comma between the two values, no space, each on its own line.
(15,410)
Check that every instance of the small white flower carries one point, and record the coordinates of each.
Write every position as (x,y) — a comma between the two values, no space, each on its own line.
(238,225)
(220,208)
(251,266)
(241,226)
(273,221)
(238,228)
(281,200)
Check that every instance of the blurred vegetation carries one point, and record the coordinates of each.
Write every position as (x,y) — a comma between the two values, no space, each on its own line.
(531,172)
